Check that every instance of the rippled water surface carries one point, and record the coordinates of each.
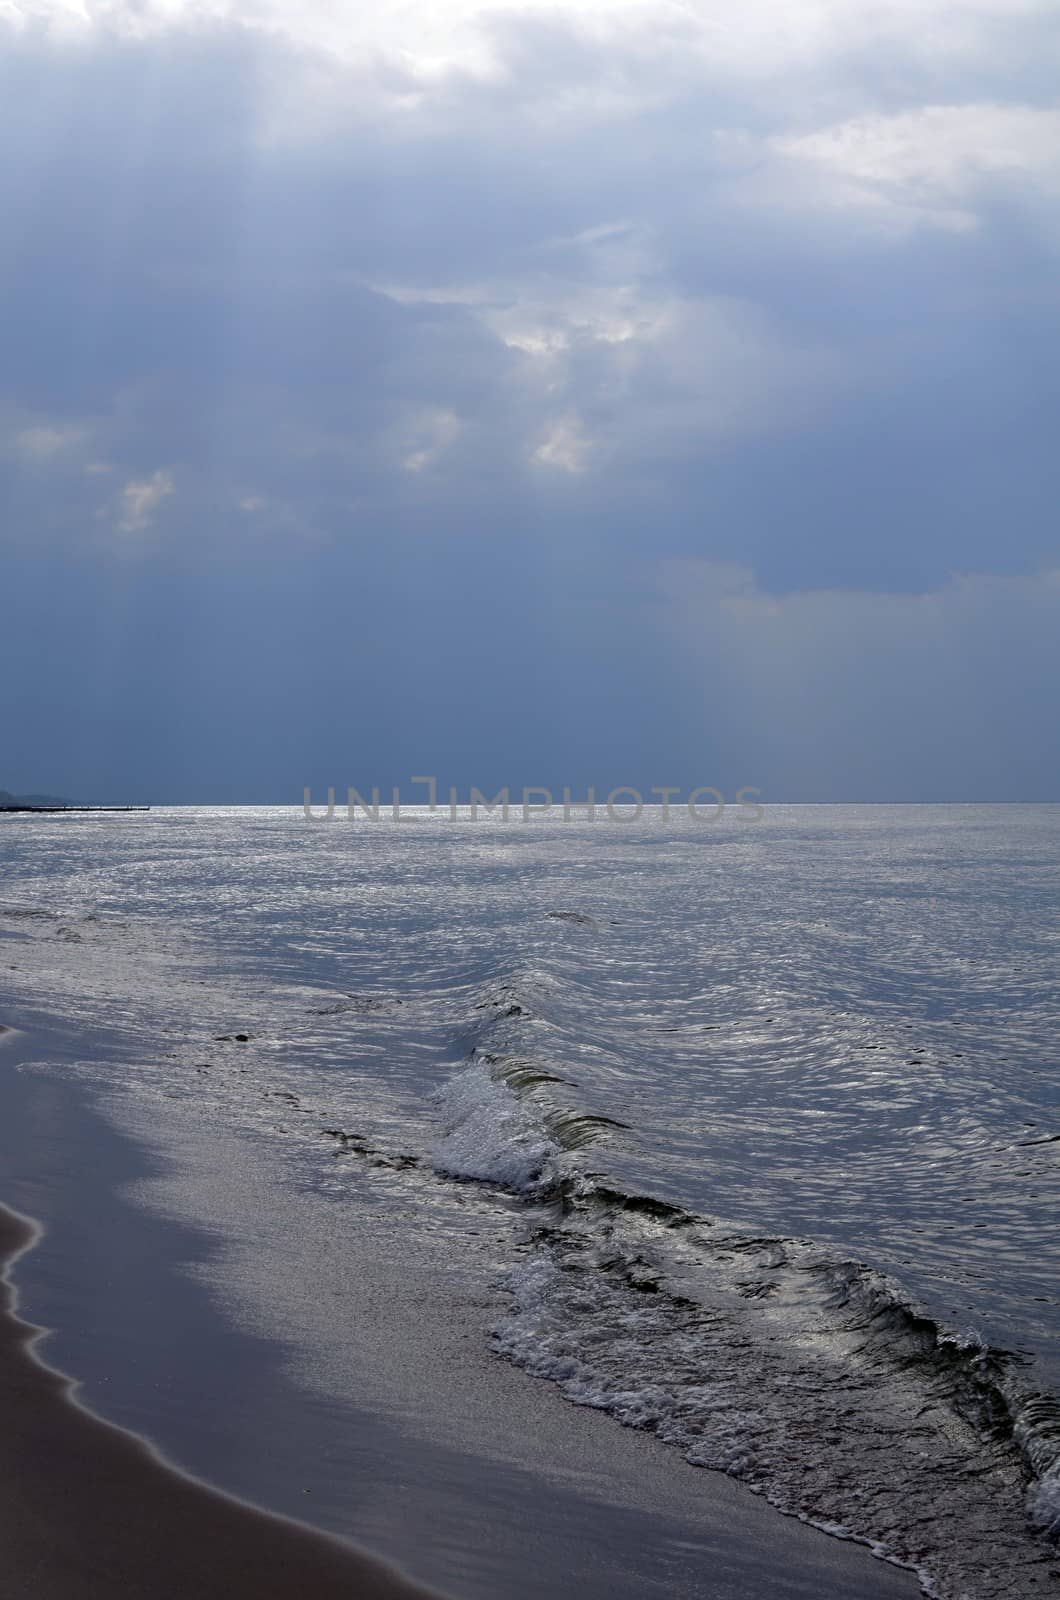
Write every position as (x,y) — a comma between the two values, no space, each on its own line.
(828,1037)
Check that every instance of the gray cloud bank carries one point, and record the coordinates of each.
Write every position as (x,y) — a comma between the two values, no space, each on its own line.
(551,394)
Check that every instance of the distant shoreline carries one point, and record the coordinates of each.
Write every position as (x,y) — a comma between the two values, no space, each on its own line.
(54,810)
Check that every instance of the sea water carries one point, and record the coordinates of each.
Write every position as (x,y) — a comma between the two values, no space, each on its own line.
(773,1103)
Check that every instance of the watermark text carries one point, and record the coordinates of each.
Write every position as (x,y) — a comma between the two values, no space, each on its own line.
(622,805)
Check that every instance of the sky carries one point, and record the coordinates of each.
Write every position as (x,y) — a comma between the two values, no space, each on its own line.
(641,392)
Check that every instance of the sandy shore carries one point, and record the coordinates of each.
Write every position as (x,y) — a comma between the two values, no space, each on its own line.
(86,1510)
(425,1448)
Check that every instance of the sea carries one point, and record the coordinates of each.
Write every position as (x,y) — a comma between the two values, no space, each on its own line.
(749,1129)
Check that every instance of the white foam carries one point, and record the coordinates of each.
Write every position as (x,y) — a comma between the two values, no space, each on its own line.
(491,1135)
(1043,1503)
(540,1335)
(703,1371)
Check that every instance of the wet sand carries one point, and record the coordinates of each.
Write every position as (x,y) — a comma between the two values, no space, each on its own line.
(458,1468)
(86,1510)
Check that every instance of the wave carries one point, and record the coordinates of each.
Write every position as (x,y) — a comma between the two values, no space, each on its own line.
(494,1134)
(491,1135)
(815,1378)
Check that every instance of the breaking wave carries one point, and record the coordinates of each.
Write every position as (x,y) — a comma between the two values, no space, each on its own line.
(814,1378)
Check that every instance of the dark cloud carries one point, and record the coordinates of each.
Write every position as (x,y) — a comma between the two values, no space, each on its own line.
(339,414)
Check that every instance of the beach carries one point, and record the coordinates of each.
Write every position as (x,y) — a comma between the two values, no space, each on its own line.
(88,1512)
(533,1240)
(91,1509)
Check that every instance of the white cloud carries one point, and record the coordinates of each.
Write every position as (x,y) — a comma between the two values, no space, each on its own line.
(44,443)
(931,160)
(547,325)
(590,285)
(428,43)
(611,351)
(622,370)
(650,300)
(565,446)
(141,499)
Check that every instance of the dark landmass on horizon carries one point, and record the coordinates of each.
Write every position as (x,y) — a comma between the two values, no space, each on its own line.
(9,799)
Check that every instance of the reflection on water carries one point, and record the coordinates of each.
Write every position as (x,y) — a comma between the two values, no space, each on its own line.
(838,1024)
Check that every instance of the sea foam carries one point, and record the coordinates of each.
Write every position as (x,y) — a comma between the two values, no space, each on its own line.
(492,1136)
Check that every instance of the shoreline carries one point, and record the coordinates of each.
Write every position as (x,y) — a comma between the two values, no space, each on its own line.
(501,1488)
(88,1510)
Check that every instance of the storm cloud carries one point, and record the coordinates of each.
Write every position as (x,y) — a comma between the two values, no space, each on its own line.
(631,393)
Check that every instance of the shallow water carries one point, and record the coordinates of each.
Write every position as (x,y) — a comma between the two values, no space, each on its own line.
(825,1042)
